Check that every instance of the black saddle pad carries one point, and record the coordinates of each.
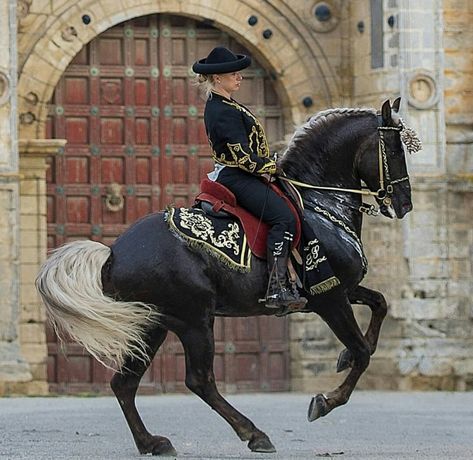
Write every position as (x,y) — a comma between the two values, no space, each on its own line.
(221,237)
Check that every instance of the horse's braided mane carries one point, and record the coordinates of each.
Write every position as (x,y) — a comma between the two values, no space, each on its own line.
(323,119)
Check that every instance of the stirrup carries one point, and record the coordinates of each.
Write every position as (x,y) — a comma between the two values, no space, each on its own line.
(293,303)
(271,298)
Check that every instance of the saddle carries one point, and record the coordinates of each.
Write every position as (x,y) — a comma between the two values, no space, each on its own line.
(217,225)
(218,201)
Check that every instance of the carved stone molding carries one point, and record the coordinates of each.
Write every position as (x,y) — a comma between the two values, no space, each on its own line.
(4,88)
(23,8)
(41,147)
(69,33)
(423,90)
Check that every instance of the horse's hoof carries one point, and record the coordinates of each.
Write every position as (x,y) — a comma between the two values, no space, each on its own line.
(318,407)
(261,443)
(160,446)
(345,360)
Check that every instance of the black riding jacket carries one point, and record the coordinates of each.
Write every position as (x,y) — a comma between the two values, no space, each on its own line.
(236,137)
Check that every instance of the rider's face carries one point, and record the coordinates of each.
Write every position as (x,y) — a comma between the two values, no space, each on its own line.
(229,82)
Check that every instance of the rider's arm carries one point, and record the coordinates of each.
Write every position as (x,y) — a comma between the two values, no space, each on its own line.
(239,145)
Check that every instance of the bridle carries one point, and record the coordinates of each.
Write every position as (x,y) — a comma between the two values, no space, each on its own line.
(386,189)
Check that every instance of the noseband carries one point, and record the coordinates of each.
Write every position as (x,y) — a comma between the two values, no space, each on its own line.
(386,189)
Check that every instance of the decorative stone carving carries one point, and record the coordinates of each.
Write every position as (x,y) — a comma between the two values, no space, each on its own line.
(27,118)
(69,33)
(423,93)
(23,8)
(32,98)
(4,88)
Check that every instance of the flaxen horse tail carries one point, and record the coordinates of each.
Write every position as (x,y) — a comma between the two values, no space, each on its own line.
(70,285)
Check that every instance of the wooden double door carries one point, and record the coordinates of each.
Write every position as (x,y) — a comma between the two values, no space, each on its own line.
(136,142)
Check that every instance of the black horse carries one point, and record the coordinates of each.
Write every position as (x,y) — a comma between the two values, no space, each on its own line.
(119,302)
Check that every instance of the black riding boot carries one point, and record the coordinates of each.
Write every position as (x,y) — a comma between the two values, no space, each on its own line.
(280,293)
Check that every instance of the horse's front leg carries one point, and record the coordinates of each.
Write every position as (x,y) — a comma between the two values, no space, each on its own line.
(340,319)
(198,342)
(377,303)
(125,384)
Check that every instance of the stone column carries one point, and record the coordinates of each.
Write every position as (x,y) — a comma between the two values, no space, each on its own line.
(33,236)
(13,368)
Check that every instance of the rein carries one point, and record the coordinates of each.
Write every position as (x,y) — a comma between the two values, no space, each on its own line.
(384,193)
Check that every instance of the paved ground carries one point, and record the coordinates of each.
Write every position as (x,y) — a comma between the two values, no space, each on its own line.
(373,425)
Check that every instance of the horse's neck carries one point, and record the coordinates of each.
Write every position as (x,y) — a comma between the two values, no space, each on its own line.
(328,158)
(341,206)
(338,170)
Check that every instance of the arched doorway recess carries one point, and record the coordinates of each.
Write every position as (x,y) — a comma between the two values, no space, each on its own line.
(136,142)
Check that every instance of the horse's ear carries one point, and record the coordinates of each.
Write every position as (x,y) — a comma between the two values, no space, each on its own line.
(386,112)
(396,105)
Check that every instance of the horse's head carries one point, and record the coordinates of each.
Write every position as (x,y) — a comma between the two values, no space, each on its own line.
(382,164)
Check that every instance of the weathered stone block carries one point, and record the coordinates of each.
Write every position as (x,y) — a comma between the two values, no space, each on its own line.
(432,366)
(32,333)
(427,383)
(28,294)
(35,352)
(39,372)
(34,312)
(464,367)
(29,272)
(315,385)
(31,255)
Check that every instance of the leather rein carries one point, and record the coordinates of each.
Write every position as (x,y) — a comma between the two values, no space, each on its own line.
(385,191)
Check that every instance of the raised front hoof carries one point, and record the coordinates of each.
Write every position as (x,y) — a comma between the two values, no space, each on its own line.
(159,445)
(318,407)
(345,360)
(261,443)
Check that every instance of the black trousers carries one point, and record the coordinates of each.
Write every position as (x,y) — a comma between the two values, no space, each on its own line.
(258,198)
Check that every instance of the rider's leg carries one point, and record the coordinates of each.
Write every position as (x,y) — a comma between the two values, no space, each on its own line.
(259,199)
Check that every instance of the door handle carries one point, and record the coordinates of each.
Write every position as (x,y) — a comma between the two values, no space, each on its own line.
(114,200)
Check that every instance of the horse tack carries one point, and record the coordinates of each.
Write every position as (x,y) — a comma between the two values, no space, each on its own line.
(386,189)
(221,237)
(222,199)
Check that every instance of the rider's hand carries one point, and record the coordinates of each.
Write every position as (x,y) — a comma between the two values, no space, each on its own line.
(279,171)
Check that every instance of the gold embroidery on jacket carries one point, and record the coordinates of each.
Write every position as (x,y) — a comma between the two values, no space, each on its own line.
(268,168)
(242,158)
(257,134)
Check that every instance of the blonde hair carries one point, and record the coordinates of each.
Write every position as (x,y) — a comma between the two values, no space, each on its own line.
(205,83)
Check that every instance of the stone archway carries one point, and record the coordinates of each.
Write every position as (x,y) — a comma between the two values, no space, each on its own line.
(134,126)
(291,53)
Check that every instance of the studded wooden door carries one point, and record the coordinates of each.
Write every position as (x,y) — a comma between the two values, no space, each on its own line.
(136,142)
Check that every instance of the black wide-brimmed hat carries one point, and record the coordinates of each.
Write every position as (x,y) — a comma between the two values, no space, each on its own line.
(221,60)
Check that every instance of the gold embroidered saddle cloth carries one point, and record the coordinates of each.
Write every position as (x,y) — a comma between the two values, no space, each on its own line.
(221,237)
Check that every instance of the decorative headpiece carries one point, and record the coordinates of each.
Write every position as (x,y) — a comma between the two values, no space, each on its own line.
(410,138)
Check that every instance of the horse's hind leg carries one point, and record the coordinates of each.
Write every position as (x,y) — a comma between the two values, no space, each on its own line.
(377,303)
(341,320)
(198,342)
(125,384)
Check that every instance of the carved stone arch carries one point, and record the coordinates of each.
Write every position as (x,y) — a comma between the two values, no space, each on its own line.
(302,74)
